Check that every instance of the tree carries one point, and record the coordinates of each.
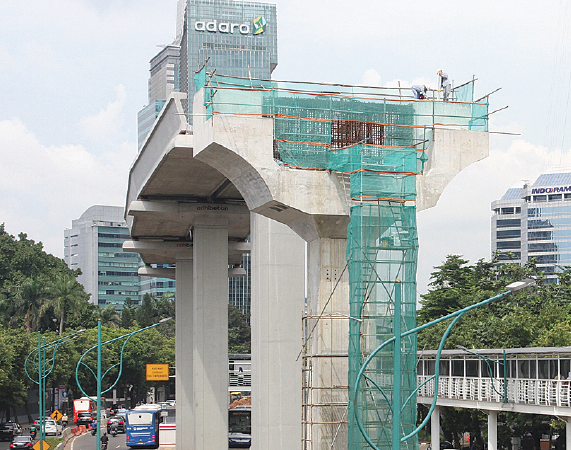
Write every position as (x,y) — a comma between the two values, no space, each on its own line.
(147,313)
(110,317)
(239,333)
(29,300)
(65,294)
(532,317)
(128,313)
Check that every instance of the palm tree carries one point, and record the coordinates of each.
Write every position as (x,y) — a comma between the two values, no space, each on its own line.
(110,317)
(65,294)
(29,299)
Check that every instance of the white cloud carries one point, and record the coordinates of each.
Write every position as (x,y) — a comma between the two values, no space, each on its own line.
(45,187)
(460,222)
(371,78)
(108,124)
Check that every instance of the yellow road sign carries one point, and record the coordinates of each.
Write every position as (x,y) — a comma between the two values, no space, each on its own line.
(37,445)
(157,372)
(56,415)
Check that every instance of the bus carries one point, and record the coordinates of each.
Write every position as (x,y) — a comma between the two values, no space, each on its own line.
(240,423)
(83,404)
(142,427)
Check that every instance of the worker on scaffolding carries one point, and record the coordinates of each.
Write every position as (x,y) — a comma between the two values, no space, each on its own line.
(419,91)
(444,84)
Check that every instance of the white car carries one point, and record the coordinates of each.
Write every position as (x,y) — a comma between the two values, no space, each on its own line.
(51,427)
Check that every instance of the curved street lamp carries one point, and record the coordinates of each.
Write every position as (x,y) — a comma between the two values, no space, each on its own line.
(490,370)
(397,406)
(97,373)
(37,362)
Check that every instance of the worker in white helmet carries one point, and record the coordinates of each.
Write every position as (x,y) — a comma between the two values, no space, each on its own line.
(419,91)
(444,84)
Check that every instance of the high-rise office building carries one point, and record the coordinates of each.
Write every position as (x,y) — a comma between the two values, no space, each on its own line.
(535,222)
(94,244)
(164,79)
(232,37)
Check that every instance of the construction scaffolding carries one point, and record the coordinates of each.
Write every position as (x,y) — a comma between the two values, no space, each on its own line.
(375,141)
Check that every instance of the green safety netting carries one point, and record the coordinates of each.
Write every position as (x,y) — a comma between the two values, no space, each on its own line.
(379,137)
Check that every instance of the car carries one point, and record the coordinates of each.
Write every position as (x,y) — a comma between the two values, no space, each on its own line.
(21,442)
(50,427)
(119,420)
(84,418)
(171,402)
(443,445)
(8,430)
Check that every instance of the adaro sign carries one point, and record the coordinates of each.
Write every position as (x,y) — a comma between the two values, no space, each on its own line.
(157,372)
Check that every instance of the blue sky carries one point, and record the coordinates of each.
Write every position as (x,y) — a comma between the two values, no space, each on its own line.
(74,74)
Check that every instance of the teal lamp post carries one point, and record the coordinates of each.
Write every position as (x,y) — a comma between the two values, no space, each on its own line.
(40,363)
(397,405)
(97,373)
(491,372)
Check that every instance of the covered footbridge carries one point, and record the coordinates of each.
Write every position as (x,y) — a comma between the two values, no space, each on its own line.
(525,380)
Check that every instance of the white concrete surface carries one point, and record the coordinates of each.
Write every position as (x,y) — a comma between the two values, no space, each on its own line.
(327,331)
(210,334)
(278,294)
(184,384)
(492,430)
(435,428)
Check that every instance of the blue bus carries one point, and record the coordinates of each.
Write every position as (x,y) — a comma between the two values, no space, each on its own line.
(142,427)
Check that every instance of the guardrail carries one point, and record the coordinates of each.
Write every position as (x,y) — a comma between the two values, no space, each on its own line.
(523,391)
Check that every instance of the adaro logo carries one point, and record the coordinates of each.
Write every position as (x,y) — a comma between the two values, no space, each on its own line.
(259,25)
(214,26)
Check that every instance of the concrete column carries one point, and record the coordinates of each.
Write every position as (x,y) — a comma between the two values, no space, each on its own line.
(435,428)
(568,432)
(210,335)
(184,345)
(278,294)
(492,430)
(327,334)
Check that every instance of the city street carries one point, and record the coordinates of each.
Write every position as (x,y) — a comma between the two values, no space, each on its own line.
(87,442)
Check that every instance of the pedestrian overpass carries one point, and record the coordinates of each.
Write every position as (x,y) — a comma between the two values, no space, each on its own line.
(523,380)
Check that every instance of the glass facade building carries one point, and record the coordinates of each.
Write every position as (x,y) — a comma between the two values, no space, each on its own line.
(232,37)
(535,222)
(157,287)
(94,244)
(239,288)
(146,119)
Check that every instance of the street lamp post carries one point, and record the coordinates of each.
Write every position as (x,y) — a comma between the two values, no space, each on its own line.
(98,376)
(37,362)
(490,371)
(397,404)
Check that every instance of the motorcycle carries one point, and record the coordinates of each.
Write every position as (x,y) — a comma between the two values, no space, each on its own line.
(113,432)
(33,434)
(104,446)
(93,431)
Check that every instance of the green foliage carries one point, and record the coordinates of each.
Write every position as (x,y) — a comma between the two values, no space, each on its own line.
(38,292)
(238,331)
(128,313)
(537,316)
(14,384)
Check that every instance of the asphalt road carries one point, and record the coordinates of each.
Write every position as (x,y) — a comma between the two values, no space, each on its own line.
(88,442)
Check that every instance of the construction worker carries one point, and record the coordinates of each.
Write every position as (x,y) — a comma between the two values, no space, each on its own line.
(444,84)
(419,91)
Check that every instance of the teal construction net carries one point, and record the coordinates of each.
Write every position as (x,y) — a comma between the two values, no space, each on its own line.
(379,138)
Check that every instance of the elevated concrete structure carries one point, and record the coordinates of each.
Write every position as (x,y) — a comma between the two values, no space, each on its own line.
(224,176)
